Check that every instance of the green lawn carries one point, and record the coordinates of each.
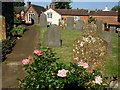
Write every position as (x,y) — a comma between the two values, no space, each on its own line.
(65,52)
(112,59)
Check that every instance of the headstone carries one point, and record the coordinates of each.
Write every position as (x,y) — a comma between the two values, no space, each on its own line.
(79,25)
(52,37)
(113,30)
(108,37)
(43,20)
(35,19)
(100,27)
(70,23)
(2,28)
(90,48)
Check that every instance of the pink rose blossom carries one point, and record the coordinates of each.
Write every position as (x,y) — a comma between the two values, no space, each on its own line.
(25,61)
(85,65)
(21,79)
(98,80)
(62,73)
(38,52)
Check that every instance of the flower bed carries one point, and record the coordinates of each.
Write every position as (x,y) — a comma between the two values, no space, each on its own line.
(43,72)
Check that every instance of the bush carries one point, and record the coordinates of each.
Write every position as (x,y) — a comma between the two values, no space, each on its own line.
(17,31)
(7,47)
(42,72)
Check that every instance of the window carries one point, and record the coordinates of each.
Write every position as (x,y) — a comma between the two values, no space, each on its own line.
(76,18)
(30,15)
(49,15)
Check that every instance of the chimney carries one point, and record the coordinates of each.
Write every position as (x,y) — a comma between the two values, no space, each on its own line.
(28,4)
(52,6)
(46,7)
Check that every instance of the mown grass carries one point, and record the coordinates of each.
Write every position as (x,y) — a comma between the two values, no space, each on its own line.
(112,63)
(65,52)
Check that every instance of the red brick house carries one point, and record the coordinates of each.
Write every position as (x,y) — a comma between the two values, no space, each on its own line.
(20,13)
(108,17)
(77,14)
(33,10)
(26,13)
(55,15)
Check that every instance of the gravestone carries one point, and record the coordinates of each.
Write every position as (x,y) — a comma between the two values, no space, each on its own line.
(79,25)
(43,20)
(108,37)
(100,27)
(35,19)
(70,23)
(52,37)
(2,28)
(113,30)
(90,48)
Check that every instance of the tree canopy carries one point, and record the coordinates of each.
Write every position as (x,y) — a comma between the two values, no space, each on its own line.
(62,5)
(18,4)
(115,8)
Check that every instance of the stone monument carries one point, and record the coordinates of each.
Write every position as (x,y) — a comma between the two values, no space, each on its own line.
(90,48)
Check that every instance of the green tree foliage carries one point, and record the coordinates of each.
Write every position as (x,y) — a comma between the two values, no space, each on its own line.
(115,8)
(62,5)
(17,4)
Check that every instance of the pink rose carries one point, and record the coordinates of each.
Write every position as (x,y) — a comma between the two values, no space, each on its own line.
(62,73)
(85,65)
(21,79)
(98,80)
(38,52)
(25,61)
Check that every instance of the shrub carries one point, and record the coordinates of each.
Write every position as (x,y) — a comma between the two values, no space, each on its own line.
(17,31)
(91,19)
(7,47)
(43,72)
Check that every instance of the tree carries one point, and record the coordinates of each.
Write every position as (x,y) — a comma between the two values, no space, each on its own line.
(115,8)
(17,4)
(63,4)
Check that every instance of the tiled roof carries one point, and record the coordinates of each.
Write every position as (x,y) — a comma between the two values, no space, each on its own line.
(38,9)
(19,9)
(103,13)
(72,12)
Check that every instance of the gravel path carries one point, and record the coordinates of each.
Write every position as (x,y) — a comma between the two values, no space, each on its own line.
(24,47)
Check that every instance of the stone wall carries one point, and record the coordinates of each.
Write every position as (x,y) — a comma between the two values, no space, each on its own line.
(2,28)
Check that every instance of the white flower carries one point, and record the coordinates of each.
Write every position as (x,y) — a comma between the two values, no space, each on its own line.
(62,73)
(98,80)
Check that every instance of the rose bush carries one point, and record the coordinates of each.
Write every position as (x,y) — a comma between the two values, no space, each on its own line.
(43,72)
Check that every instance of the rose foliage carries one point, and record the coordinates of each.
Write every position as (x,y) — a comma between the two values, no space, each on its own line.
(43,72)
